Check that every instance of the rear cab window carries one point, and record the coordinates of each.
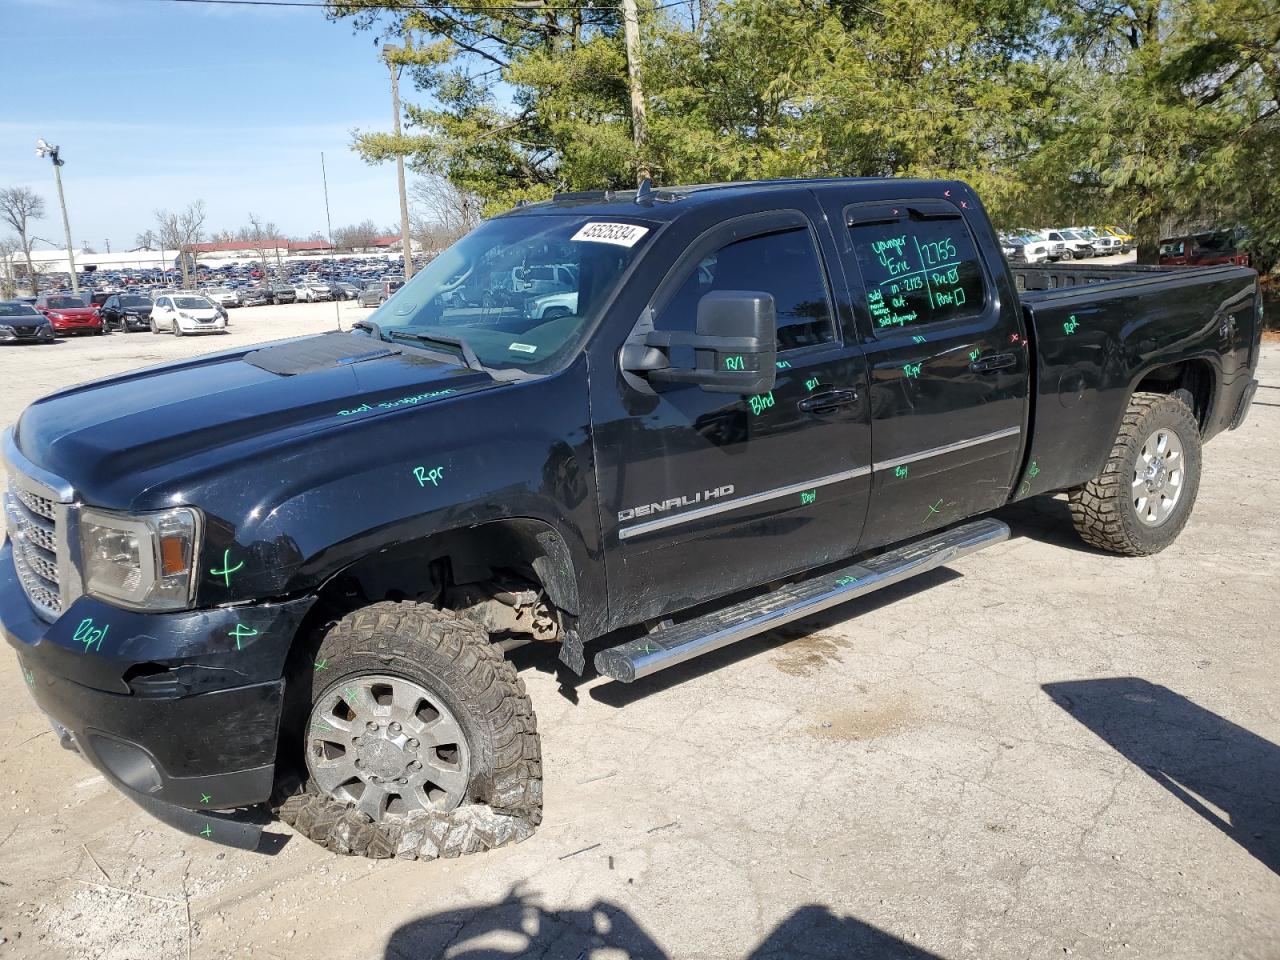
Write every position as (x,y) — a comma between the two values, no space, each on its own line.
(918,262)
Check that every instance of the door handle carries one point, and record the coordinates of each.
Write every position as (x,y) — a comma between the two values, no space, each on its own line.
(1001,361)
(827,401)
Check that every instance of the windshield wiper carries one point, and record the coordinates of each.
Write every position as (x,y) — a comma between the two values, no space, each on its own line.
(468,355)
(370,326)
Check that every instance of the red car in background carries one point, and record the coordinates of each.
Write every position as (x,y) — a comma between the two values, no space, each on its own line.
(1208,249)
(70,314)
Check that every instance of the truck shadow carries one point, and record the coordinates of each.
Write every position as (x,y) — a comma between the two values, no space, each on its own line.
(542,657)
(1045,519)
(1225,773)
(518,926)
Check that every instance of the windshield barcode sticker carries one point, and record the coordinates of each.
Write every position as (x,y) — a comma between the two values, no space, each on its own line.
(621,234)
(523,348)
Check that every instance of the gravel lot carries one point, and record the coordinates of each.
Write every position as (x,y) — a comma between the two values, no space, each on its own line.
(1040,751)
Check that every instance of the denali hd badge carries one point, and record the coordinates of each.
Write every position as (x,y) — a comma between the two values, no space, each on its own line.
(675,503)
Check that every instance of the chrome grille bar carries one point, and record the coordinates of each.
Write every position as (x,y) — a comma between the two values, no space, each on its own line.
(39,514)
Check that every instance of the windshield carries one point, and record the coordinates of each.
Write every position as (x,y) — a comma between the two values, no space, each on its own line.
(519,290)
(135,302)
(64,303)
(17,310)
(192,303)
(1071,235)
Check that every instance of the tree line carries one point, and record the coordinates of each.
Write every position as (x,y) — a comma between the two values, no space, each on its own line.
(1158,114)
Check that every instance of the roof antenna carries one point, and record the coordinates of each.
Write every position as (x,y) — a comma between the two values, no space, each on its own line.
(644,192)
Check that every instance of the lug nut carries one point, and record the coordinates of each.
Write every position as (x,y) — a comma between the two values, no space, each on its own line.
(414,765)
(394,727)
(359,763)
(371,727)
(357,741)
(413,744)
(403,780)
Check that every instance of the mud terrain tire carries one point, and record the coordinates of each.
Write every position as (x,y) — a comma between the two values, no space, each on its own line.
(452,658)
(1104,510)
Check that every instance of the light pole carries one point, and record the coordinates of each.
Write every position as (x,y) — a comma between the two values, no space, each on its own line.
(44,149)
(406,246)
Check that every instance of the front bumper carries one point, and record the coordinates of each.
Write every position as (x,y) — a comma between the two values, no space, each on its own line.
(180,711)
(194,326)
(43,333)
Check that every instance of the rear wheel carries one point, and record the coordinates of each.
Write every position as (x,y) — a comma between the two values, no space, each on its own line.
(1143,498)
(418,738)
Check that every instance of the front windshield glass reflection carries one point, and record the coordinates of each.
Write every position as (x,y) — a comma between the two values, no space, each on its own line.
(519,290)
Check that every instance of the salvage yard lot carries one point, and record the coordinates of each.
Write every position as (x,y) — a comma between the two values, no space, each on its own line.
(1037,750)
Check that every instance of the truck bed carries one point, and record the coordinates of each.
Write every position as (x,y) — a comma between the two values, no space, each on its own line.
(1054,276)
(1095,329)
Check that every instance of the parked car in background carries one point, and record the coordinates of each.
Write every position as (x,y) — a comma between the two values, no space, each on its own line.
(183,313)
(323,290)
(346,291)
(1104,244)
(21,322)
(69,314)
(256,297)
(1206,249)
(305,293)
(283,293)
(1029,249)
(1125,238)
(1074,246)
(375,294)
(223,296)
(126,312)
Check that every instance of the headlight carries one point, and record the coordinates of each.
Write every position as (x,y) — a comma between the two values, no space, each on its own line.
(144,562)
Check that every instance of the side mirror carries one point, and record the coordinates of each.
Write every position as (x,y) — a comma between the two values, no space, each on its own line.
(734,346)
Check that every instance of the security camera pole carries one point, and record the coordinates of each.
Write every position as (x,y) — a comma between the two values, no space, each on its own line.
(405,241)
(44,149)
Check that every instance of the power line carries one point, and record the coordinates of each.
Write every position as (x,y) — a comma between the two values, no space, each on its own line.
(534,6)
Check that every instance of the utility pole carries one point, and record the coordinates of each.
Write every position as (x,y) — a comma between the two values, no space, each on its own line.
(406,244)
(631,33)
(44,149)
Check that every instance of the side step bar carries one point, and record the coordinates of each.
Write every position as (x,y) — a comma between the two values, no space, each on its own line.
(684,641)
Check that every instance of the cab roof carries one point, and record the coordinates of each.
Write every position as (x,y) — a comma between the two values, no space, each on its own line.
(667,203)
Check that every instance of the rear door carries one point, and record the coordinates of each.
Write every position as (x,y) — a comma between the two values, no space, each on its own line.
(706,493)
(945,345)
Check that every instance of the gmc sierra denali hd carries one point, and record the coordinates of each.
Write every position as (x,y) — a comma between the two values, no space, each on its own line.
(654,421)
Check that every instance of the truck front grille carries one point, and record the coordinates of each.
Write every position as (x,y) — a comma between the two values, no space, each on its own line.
(36,525)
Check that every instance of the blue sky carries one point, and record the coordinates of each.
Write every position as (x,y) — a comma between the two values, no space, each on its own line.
(156,104)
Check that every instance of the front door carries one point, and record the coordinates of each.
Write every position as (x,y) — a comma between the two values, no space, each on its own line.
(946,347)
(703,494)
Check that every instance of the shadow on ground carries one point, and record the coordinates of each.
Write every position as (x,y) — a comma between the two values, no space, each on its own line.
(1226,774)
(517,926)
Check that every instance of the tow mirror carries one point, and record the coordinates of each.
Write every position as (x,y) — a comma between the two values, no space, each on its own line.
(734,346)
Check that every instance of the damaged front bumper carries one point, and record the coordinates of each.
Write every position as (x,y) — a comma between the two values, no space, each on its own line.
(180,711)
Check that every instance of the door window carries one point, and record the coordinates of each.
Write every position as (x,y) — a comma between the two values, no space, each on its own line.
(917,270)
(784,264)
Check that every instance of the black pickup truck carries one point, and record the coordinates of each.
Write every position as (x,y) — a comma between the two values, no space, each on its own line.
(288,575)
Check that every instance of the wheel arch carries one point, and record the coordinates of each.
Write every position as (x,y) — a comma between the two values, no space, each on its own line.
(1196,376)
(419,568)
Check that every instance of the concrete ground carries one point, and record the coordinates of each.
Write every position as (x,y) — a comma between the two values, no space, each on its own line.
(1040,751)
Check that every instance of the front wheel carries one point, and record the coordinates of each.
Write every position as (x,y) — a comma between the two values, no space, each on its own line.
(155,327)
(416,727)
(1143,498)
(1067,255)
(177,330)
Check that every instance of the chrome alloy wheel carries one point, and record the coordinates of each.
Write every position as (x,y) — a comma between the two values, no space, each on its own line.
(387,745)
(1158,477)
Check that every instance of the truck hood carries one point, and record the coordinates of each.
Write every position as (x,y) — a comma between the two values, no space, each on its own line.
(113,439)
